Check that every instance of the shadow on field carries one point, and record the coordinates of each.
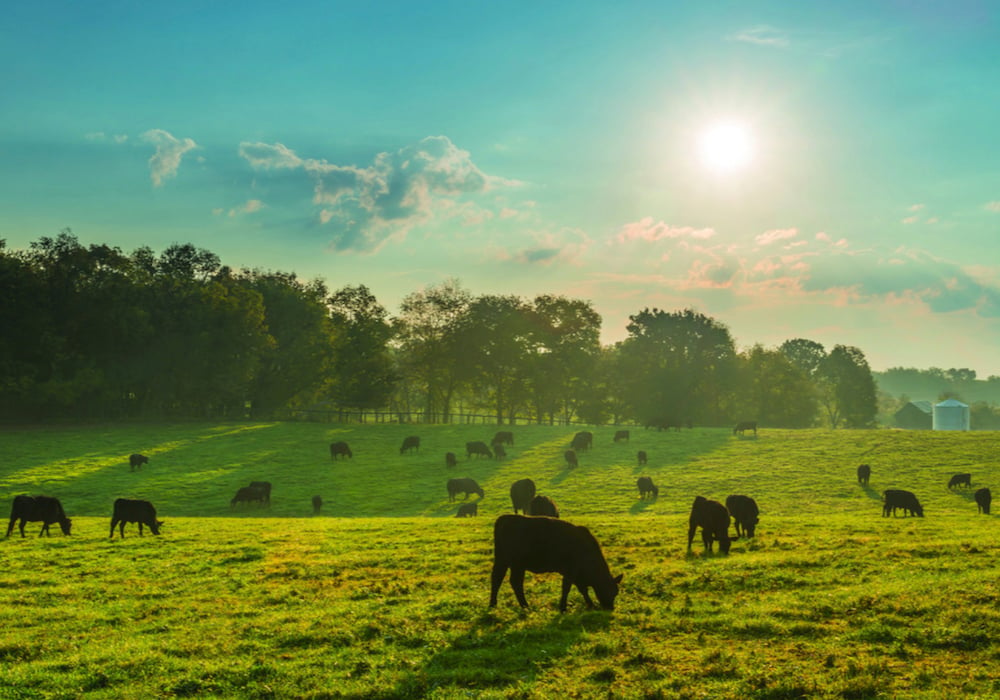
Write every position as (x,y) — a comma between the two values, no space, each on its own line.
(498,652)
(872,493)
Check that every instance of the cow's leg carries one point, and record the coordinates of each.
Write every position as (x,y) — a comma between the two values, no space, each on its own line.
(567,584)
(113,523)
(517,583)
(706,538)
(21,526)
(496,579)
(10,526)
(691,531)
(586,596)
(140,528)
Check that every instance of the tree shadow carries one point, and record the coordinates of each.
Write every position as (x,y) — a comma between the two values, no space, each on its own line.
(497,652)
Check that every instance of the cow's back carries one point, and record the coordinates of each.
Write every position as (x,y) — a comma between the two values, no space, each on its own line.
(543,544)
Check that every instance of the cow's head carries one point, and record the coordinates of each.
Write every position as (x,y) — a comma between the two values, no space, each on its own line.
(65,524)
(608,591)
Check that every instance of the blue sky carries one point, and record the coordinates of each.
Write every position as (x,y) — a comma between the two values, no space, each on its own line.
(533,148)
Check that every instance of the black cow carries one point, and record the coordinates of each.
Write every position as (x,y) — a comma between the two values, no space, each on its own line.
(864,474)
(571,460)
(468,510)
(642,457)
(621,435)
(521,493)
(713,519)
(450,460)
(410,443)
(983,499)
(128,510)
(247,494)
(584,440)
(265,490)
(898,498)
(543,505)
(499,451)
(317,502)
(745,514)
(136,460)
(46,509)
(960,480)
(466,486)
(504,437)
(647,487)
(339,449)
(745,425)
(541,545)
(477,448)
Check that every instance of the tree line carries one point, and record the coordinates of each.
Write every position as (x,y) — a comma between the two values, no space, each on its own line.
(93,333)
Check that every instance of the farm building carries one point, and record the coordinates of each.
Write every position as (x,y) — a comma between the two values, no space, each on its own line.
(916,415)
(951,415)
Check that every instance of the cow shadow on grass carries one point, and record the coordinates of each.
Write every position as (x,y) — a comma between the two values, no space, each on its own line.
(872,493)
(497,652)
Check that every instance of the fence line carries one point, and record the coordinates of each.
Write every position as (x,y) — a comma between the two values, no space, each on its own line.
(420,417)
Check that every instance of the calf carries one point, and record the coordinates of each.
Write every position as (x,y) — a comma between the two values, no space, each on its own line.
(864,474)
(713,519)
(542,545)
(621,435)
(960,480)
(503,437)
(466,486)
(133,511)
(744,426)
(450,460)
(247,494)
(477,448)
(264,487)
(898,498)
(983,499)
(44,509)
(136,460)
(317,502)
(340,449)
(582,441)
(468,510)
(745,514)
(647,488)
(571,461)
(543,505)
(642,457)
(410,443)
(521,493)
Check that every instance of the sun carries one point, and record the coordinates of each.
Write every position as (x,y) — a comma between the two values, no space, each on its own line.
(726,147)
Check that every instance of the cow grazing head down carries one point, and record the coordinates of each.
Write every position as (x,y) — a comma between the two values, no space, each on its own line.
(713,519)
(542,545)
(44,509)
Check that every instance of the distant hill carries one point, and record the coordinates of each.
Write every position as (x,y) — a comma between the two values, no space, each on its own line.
(932,384)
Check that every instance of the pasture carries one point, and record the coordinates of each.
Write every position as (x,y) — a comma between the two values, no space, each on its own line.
(384,594)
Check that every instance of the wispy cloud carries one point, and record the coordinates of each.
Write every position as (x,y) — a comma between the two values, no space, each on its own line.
(648,230)
(163,164)
(993,206)
(762,35)
(774,235)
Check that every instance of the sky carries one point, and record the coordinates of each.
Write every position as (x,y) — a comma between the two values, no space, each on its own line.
(828,171)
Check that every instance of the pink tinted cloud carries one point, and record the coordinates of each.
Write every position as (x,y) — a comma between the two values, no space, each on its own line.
(645,229)
(778,234)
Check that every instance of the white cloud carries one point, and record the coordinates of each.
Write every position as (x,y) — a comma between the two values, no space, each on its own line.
(774,235)
(166,160)
(645,229)
(762,35)
(248,207)
(993,206)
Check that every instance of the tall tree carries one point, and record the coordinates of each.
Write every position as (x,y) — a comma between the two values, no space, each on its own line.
(364,376)
(847,388)
(775,391)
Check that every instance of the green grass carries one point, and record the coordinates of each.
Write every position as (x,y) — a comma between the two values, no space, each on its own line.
(384,595)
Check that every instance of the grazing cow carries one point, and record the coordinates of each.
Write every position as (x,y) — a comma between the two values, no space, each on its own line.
(46,509)
(338,449)
(477,448)
(136,460)
(647,487)
(543,505)
(584,440)
(542,545)
(450,460)
(745,514)
(642,457)
(521,493)
(128,510)
(466,486)
(713,519)
(960,480)
(504,437)
(467,510)
(499,451)
(621,435)
(983,499)
(410,443)
(317,502)
(570,456)
(864,474)
(898,498)
(745,425)
(247,494)
(265,490)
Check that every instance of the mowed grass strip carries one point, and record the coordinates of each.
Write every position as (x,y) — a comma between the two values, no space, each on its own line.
(384,595)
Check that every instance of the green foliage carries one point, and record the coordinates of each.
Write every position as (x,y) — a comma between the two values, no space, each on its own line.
(830,600)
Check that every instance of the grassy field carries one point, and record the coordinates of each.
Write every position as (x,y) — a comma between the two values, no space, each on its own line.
(384,595)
